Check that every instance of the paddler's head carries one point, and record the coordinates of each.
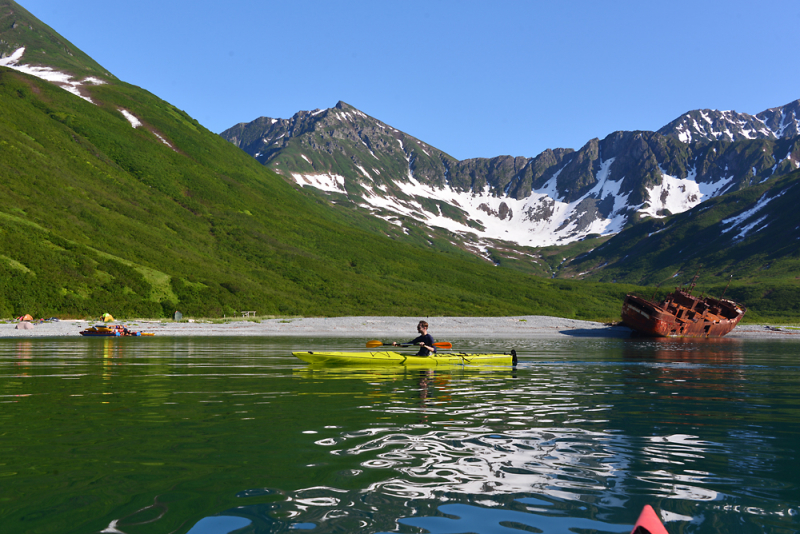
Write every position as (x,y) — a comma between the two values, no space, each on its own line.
(422,327)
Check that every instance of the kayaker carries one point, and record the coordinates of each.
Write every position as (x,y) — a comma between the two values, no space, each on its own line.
(425,340)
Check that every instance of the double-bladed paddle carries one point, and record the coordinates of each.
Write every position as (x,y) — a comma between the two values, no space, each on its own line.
(438,344)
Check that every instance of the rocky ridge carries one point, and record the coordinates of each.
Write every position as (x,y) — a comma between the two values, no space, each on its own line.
(557,197)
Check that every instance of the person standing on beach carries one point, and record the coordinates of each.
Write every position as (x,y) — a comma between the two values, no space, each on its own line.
(425,340)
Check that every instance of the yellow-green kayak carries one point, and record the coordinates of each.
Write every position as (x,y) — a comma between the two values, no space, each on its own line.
(388,357)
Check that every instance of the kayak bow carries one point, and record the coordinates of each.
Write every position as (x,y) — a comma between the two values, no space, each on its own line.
(648,522)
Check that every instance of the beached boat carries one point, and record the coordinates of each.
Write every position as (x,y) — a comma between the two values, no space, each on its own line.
(112,330)
(390,358)
(681,315)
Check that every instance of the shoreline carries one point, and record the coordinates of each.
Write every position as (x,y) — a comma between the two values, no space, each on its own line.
(390,328)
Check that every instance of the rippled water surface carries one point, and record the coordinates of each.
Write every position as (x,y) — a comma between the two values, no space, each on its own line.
(218,435)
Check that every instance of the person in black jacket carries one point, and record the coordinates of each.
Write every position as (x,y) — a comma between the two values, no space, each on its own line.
(425,340)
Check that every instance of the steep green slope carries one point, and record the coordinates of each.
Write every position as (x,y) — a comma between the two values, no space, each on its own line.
(98,216)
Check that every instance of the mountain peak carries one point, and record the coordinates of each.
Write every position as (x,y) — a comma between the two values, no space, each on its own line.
(44,47)
(344,106)
(704,125)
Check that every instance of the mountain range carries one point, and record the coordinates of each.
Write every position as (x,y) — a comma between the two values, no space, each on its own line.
(555,198)
(544,213)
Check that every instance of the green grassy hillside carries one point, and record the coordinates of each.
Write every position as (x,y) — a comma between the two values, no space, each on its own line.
(98,216)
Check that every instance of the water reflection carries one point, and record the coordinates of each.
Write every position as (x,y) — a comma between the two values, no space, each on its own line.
(208,435)
(354,513)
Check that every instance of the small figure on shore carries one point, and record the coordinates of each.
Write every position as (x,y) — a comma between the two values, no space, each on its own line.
(425,340)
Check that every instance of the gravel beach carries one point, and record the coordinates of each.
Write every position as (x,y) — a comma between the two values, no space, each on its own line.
(390,328)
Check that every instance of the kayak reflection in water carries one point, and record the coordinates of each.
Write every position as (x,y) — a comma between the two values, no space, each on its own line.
(425,340)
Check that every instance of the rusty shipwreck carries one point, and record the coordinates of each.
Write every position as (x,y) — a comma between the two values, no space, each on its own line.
(681,315)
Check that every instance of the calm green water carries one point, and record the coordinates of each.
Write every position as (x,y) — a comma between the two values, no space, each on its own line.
(175,435)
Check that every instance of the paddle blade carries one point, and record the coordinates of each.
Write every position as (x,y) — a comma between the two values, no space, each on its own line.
(443,345)
(374,343)
(648,522)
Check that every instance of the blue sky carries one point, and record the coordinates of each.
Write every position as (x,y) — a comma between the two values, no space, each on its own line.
(474,79)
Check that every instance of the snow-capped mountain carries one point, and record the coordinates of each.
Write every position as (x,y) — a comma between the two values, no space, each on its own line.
(712,125)
(557,197)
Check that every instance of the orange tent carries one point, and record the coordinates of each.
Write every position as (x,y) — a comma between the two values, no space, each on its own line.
(25,317)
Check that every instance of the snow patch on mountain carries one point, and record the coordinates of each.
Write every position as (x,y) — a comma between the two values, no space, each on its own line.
(61,79)
(135,122)
(332,183)
(543,218)
(676,195)
(738,221)
(160,138)
(538,220)
(363,171)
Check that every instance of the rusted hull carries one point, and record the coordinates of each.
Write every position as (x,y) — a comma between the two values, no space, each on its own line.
(681,315)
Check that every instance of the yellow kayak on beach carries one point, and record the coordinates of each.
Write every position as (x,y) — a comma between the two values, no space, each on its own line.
(390,358)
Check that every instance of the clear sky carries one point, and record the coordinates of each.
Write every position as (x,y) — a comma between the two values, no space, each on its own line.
(474,79)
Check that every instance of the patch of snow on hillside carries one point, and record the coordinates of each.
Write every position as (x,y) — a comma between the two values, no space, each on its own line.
(659,231)
(753,133)
(739,219)
(550,188)
(305,158)
(520,225)
(606,187)
(332,183)
(13,58)
(712,189)
(408,159)
(131,117)
(164,141)
(61,79)
(684,135)
(680,194)
(746,229)
(365,173)
(317,112)
(368,148)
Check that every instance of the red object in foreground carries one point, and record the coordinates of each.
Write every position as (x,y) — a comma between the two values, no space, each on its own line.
(648,522)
